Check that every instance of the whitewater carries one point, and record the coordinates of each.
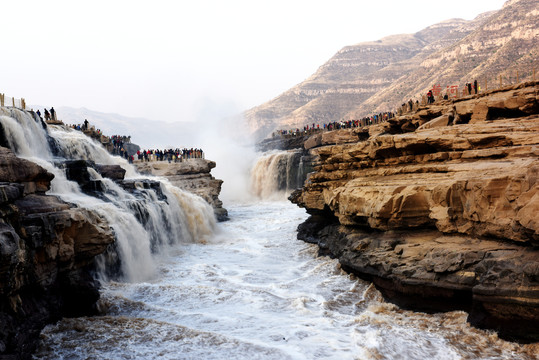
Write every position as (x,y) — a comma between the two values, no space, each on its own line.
(242,289)
(255,292)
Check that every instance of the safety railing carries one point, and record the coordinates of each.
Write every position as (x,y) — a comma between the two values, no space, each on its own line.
(11,101)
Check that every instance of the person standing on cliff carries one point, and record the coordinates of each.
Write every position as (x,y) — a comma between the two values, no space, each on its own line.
(47,115)
(475,86)
(53,113)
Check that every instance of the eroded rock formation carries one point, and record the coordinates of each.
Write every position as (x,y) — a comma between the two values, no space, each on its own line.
(193,175)
(439,208)
(47,250)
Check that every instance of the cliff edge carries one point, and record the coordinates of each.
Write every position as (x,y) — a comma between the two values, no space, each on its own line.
(192,175)
(439,207)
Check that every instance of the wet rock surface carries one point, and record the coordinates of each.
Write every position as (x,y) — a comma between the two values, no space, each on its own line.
(193,175)
(442,216)
(47,250)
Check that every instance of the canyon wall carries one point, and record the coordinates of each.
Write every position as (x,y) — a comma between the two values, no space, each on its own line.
(438,207)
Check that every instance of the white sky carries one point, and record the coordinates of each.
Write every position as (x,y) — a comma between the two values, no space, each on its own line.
(164,60)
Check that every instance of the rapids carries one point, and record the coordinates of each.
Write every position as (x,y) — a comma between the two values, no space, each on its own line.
(255,292)
(243,289)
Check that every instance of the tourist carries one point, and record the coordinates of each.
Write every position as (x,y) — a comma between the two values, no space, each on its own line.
(53,113)
(429,97)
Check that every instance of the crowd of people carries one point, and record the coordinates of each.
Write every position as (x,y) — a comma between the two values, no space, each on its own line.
(116,145)
(170,155)
(86,126)
(336,125)
(409,106)
(117,142)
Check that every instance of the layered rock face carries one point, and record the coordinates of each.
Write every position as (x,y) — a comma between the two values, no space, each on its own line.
(439,208)
(193,175)
(350,77)
(378,76)
(46,255)
(504,45)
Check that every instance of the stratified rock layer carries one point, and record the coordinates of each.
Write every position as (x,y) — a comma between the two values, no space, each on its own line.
(378,76)
(193,175)
(46,253)
(443,216)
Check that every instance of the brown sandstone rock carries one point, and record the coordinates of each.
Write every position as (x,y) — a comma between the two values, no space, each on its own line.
(15,170)
(446,214)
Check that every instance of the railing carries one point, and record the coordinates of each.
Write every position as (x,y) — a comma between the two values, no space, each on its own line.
(10,101)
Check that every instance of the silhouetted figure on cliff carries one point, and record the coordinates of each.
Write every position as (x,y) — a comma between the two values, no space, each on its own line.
(430,97)
(53,113)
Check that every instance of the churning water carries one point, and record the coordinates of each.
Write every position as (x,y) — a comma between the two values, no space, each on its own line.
(143,225)
(249,290)
(255,292)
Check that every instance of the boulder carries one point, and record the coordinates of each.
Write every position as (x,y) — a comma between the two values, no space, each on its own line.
(114,172)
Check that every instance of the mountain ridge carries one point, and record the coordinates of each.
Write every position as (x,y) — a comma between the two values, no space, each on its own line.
(377,76)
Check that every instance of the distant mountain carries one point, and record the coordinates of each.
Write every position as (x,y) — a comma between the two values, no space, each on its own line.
(378,76)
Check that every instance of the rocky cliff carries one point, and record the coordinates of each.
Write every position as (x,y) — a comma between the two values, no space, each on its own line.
(193,175)
(378,76)
(47,250)
(439,207)
(504,45)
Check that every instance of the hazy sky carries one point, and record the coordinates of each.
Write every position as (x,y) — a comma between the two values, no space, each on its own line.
(164,60)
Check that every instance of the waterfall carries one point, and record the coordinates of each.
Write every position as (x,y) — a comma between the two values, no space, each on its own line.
(276,173)
(154,216)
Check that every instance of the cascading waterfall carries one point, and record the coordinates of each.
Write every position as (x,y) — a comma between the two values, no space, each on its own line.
(276,173)
(144,222)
